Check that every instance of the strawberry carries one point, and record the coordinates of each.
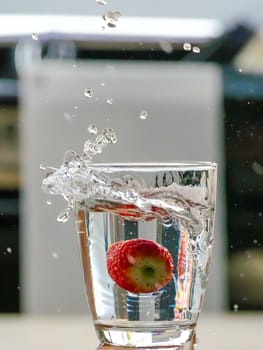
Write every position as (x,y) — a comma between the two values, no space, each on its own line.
(139,265)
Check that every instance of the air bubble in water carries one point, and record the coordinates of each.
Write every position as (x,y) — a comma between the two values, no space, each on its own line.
(196,49)
(166,46)
(110,100)
(34,36)
(92,129)
(257,168)
(187,46)
(101,2)
(88,92)
(111,18)
(143,114)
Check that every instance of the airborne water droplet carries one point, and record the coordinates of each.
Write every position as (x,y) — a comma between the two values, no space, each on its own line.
(143,115)
(55,255)
(9,250)
(92,129)
(110,100)
(235,307)
(68,117)
(88,92)
(64,215)
(43,167)
(111,18)
(187,46)
(34,36)
(101,2)
(110,135)
(48,202)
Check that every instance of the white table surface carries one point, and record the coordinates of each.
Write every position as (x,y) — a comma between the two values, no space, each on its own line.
(235,331)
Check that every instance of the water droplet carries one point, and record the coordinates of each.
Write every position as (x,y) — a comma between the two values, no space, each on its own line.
(240,70)
(101,141)
(102,83)
(143,114)
(68,117)
(64,215)
(110,100)
(43,167)
(241,275)
(76,107)
(9,250)
(101,2)
(110,135)
(74,66)
(255,241)
(34,36)
(48,202)
(111,18)
(55,255)
(18,287)
(196,49)
(166,46)
(235,307)
(92,129)
(88,92)
(187,46)
(260,213)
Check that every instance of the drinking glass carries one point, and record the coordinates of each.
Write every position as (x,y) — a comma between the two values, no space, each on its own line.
(146,236)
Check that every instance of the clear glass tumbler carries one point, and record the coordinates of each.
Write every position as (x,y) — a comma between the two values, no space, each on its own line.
(146,235)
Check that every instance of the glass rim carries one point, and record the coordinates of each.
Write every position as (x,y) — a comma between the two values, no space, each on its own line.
(177,165)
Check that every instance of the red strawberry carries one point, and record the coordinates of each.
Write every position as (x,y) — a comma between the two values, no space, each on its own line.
(139,265)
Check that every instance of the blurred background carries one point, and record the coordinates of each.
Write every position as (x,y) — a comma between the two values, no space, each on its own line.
(194,67)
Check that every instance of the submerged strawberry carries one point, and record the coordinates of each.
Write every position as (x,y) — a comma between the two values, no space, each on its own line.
(139,265)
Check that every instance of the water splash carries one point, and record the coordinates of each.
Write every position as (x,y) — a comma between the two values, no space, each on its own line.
(77,180)
(111,18)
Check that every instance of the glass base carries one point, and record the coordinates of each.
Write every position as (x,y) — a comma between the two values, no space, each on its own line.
(176,338)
